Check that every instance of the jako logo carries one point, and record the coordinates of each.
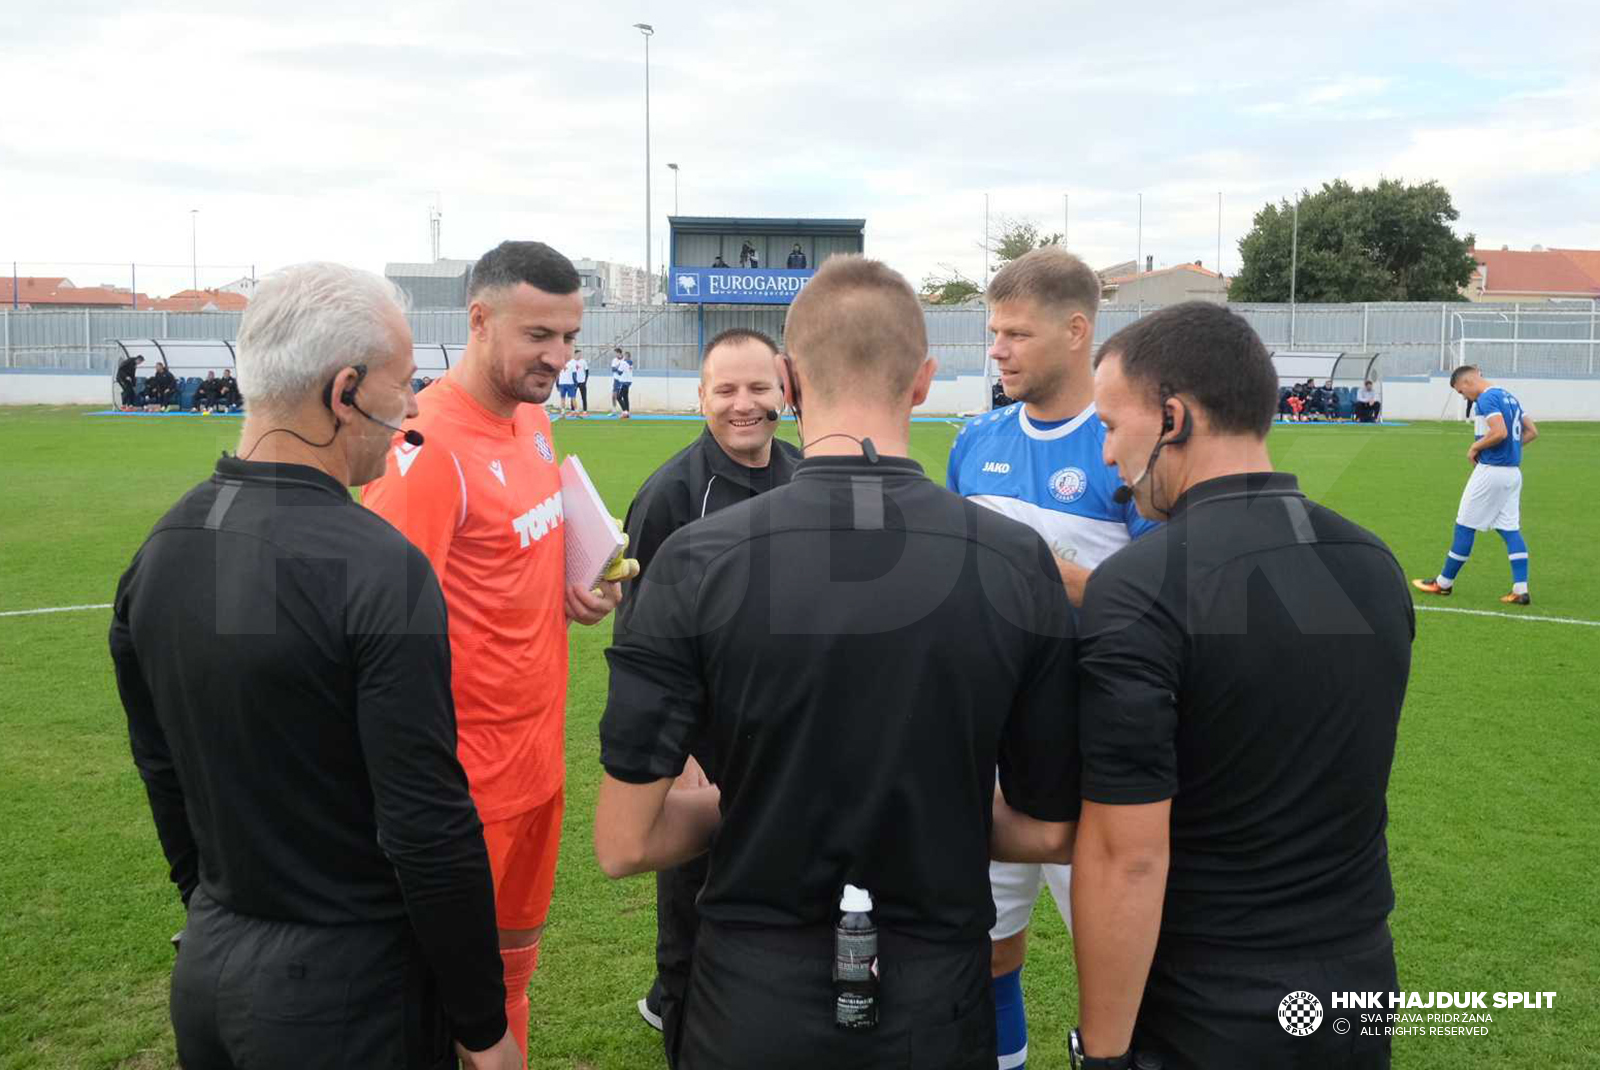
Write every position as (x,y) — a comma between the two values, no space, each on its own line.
(537,522)
(997,467)
(1300,1013)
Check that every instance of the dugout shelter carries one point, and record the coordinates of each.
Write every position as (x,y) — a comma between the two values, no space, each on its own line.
(1347,370)
(188,359)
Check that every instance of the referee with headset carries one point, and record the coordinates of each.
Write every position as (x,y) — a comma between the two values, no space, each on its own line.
(1231,871)
(735,458)
(814,645)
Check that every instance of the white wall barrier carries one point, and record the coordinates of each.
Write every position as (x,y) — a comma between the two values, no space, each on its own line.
(1542,399)
(56,388)
(1403,398)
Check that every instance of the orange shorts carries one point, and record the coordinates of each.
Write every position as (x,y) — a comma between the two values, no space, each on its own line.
(522,857)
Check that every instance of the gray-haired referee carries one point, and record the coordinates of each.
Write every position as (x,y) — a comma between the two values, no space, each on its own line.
(282,658)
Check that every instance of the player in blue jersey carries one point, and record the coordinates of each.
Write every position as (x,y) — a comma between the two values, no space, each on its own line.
(1493,498)
(1040,461)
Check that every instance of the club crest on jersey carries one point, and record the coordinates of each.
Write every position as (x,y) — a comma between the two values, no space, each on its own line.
(1068,484)
(542,444)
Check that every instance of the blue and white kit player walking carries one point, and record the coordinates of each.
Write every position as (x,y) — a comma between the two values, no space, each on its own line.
(1493,498)
(1040,461)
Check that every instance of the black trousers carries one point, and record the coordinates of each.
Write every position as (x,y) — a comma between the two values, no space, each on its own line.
(252,992)
(1201,1012)
(622,395)
(677,924)
(764,998)
(130,391)
(583,392)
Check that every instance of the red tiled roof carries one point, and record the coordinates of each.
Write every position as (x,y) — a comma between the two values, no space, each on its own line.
(1549,271)
(54,290)
(200,301)
(1588,260)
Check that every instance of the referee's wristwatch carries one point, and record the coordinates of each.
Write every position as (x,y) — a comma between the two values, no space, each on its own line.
(1080,1061)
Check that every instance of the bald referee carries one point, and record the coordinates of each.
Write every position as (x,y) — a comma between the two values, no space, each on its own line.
(815,644)
(1231,870)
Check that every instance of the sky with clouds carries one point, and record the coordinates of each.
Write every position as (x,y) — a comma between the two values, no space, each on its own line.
(323,129)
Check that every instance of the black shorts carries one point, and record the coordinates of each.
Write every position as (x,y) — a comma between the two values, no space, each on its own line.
(1204,1011)
(764,998)
(253,992)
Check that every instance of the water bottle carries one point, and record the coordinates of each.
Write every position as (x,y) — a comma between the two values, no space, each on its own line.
(855,962)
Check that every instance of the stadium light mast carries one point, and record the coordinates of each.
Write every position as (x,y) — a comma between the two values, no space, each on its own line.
(674,169)
(1294,267)
(194,261)
(648,31)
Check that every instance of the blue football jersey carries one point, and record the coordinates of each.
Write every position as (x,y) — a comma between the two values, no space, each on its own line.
(1055,480)
(1497,399)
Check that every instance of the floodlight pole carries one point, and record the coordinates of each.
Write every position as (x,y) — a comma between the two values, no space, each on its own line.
(986,243)
(194,264)
(674,169)
(1066,219)
(648,31)
(1138,256)
(1294,267)
(1219,234)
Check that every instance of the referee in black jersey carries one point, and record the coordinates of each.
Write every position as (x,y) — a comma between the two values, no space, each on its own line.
(1231,871)
(818,643)
(282,657)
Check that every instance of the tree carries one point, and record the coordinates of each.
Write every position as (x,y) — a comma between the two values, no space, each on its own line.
(951,288)
(1017,236)
(1389,242)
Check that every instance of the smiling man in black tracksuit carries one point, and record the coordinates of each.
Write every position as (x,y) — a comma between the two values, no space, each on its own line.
(735,458)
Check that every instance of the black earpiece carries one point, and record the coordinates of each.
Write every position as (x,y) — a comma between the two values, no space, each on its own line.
(347,396)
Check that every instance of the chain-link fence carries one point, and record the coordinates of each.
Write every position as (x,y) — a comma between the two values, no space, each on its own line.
(1535,341)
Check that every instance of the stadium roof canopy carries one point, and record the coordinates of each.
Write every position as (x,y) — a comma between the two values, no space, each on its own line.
(698,224)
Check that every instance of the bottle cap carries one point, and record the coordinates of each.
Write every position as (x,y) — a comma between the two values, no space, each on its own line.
(855,900)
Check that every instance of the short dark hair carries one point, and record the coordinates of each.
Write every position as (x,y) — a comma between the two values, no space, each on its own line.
(532,262)
(1207,352)
(1461,373)
(739,334)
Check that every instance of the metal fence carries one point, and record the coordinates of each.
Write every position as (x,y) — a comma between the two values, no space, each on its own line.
(1533,341)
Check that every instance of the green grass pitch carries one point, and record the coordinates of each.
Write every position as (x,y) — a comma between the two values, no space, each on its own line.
(1493,833)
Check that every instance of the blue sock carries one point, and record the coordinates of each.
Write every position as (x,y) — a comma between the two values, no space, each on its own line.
(1460,550)
(1517,550)
(1010,1020)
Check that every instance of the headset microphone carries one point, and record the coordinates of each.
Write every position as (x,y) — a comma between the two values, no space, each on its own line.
(1124,494)
(772,415)
(412,437)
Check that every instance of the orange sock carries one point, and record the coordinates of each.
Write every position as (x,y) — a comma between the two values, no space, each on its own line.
(519,964)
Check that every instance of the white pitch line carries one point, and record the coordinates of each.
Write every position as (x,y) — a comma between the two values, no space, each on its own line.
(52,609)
(1510,616)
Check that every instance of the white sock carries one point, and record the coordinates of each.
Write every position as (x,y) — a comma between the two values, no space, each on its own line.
(1519,588)
(1445,583)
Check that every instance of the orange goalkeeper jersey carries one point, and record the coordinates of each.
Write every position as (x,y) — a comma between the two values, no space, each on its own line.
(481,497)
